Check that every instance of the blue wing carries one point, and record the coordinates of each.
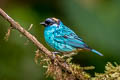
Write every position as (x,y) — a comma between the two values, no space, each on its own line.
(68,37)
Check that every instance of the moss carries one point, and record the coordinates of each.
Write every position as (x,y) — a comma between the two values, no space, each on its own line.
(112,72)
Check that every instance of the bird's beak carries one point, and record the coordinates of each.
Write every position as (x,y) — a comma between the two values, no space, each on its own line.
(43,23)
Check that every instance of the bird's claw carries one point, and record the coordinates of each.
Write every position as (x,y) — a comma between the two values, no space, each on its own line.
(54,54)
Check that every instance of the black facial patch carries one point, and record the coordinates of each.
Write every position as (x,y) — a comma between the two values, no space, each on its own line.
(49,21)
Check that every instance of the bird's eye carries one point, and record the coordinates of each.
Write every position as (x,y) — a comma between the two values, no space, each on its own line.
(47,22)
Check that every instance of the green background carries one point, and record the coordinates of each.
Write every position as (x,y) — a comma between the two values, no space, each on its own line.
(96,21)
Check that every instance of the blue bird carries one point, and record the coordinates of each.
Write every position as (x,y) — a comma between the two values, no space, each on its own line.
(62,38)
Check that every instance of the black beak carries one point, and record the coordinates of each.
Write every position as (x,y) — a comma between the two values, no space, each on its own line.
(43,23)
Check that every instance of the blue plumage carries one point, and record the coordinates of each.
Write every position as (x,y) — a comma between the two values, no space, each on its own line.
(62,38)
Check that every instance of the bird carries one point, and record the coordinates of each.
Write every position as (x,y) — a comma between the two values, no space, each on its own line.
(62,39)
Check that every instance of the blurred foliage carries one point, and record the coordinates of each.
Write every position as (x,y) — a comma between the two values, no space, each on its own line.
(112,72)
(96,21)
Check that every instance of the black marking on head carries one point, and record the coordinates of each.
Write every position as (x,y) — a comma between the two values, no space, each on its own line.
(50,21)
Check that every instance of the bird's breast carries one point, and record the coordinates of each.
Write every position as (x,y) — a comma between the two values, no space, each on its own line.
(49,36)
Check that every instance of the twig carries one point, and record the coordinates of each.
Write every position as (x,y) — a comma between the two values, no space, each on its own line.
(30,27)
(8,34)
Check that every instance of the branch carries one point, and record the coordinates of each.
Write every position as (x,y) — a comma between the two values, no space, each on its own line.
(18,27)
(61,65)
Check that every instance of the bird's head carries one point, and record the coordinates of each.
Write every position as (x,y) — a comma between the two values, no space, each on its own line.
(50,22)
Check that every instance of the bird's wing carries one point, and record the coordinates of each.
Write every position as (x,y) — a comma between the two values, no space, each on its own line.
(68,37)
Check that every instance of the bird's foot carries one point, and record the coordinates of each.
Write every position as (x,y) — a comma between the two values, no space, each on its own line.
(54,54)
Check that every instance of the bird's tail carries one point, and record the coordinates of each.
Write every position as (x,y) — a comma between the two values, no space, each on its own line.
(93,50)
